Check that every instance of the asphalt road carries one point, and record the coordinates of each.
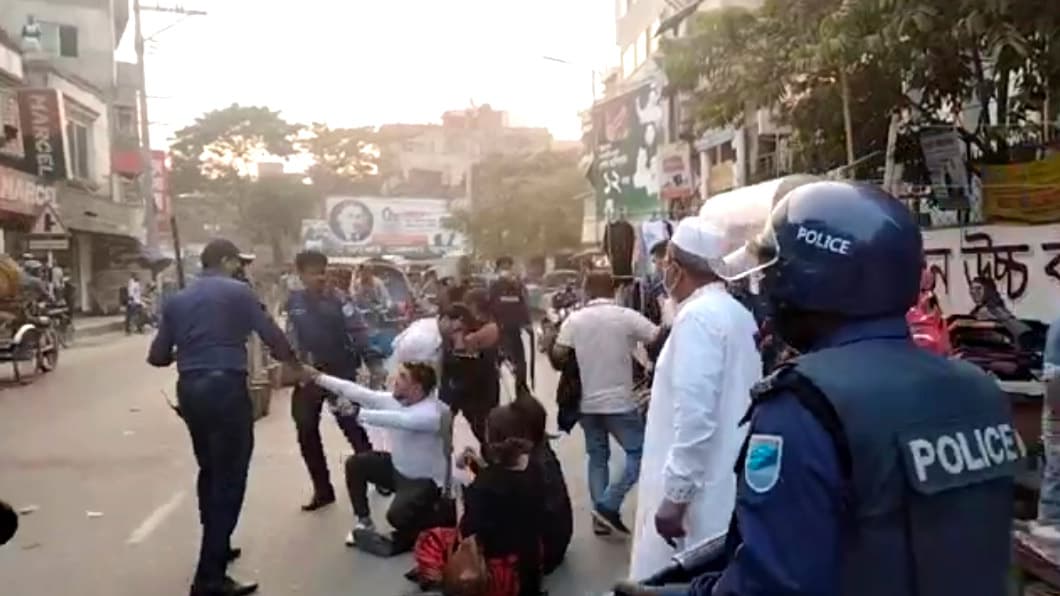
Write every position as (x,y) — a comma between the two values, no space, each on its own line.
(106,473)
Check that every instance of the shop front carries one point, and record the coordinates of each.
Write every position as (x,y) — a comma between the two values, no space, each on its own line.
(22,196)
(105,247)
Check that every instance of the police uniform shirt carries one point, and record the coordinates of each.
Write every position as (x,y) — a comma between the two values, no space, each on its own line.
(508,300)
(327,328)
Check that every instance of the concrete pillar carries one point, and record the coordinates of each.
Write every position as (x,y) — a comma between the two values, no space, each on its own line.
(84,270)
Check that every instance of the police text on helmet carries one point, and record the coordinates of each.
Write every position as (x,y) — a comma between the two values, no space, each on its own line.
(959,451)
(819,239)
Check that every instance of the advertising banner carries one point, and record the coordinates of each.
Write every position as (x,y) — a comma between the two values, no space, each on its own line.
(675,173)
(1027,192)
(44,132)
(626,133)
(160,189)
(22,193)
(944,158)
(377,225)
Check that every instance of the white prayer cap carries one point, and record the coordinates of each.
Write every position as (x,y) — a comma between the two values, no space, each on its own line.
(700,237)
(419,342)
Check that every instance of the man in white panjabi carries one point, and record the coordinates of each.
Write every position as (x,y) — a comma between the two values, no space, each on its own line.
(701,390)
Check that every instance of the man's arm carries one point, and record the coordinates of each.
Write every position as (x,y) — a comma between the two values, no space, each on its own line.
(641,327)
(697,380)
(161,352)
(793,501)
(564,343)
(416,419)
(365,397)
(265,327)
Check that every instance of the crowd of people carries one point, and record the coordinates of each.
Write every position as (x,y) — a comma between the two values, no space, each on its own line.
(802,413)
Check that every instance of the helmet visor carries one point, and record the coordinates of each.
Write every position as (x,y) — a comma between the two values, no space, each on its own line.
(743,218)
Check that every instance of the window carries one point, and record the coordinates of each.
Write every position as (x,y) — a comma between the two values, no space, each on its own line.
(629,60)
(125,120)
(59,40)
(10,139)
(77,143)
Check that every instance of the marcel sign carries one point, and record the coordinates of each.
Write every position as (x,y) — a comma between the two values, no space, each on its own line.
(44,132)
(22,193)
(1023,261)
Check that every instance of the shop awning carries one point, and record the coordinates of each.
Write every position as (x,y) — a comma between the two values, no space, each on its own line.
(84,212)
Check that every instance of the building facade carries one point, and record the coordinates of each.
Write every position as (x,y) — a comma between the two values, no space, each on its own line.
(69,92)
(435,160)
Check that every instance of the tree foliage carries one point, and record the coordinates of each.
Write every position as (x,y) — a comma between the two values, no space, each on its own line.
(524,206)
(932,57)
(275,209)
(345,160)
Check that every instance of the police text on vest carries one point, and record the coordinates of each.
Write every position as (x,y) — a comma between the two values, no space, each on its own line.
(819,239)
(961,451)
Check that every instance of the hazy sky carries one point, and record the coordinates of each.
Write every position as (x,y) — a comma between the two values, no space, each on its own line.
(370,62)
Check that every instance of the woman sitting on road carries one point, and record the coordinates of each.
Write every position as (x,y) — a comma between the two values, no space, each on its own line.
(504,510)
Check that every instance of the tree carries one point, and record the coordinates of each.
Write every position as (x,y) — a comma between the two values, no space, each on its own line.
(524,206)
(275,209)
(222,144)
(346,160)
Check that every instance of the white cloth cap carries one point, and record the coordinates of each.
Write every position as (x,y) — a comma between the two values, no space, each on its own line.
(419,342)
(700,237)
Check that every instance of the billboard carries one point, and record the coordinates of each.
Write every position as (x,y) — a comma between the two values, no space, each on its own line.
(44,132)
(380,225)
(626,134)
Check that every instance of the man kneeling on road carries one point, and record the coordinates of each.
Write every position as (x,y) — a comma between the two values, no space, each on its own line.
(415,468)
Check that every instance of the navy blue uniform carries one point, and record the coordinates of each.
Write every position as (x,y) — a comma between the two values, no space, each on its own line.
(511,310)
(328,331)
(914,455)
(205,328)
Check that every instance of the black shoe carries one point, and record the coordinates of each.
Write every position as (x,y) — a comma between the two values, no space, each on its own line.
(319,501)
(226,587)
(374,543)
(611,519)
(601,529)
(233,554)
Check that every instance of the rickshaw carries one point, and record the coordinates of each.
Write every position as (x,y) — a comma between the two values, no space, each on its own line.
(28,339)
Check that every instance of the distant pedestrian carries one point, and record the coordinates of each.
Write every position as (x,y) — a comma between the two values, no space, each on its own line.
(205,329)
(511,308)
(134,305)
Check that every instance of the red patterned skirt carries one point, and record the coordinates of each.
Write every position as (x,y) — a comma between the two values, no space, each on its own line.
(432,551)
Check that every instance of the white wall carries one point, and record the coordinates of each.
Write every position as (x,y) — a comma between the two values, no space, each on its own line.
(1027,273)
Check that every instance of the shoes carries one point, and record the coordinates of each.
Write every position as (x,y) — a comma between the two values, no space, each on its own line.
(233,554)
(611,519)
(383,492)
(373,543)
(226,587)
(319,501)
(363,524)
(601,529)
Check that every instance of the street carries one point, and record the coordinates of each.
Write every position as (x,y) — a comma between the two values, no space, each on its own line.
(106,472)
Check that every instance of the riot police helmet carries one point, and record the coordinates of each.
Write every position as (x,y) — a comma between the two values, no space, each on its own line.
(842,248)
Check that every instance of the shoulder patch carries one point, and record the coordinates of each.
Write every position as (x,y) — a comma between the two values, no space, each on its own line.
(761,468)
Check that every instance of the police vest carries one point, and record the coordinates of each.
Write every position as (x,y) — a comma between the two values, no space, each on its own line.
(319,326)
(929,454)
(509,307)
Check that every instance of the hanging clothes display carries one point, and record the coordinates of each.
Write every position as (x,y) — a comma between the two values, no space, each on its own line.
(619,239)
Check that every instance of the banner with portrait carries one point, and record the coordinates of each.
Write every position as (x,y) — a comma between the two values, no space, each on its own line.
(626,135)
(380,225)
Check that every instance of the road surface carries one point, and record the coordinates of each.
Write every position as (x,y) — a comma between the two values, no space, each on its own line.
(107,470)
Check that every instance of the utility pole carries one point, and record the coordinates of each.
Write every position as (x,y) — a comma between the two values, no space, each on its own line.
(146,171)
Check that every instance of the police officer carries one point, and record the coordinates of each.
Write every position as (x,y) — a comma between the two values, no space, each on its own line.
(871,467)
(329,332)
(511,308)
(205,329)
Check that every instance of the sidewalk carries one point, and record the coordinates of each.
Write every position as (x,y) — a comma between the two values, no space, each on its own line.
(86,326)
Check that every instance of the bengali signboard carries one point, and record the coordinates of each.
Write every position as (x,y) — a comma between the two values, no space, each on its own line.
(1024,262)
(626,133)
(44,132)
(378,225)
(1026,192)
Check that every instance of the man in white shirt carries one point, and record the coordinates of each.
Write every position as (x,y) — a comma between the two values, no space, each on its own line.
(700,392)
(603,336)
(414,470)
(134,305)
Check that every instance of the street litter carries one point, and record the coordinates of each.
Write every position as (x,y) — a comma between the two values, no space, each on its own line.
(93,514)
(28,509)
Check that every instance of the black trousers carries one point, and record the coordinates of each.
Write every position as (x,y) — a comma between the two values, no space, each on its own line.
(216,408)
(306,405)
(416,500)
(476,408)
(513,349)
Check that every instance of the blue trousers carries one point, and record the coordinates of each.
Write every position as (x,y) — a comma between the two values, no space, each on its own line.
(628,429)
(216,408)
